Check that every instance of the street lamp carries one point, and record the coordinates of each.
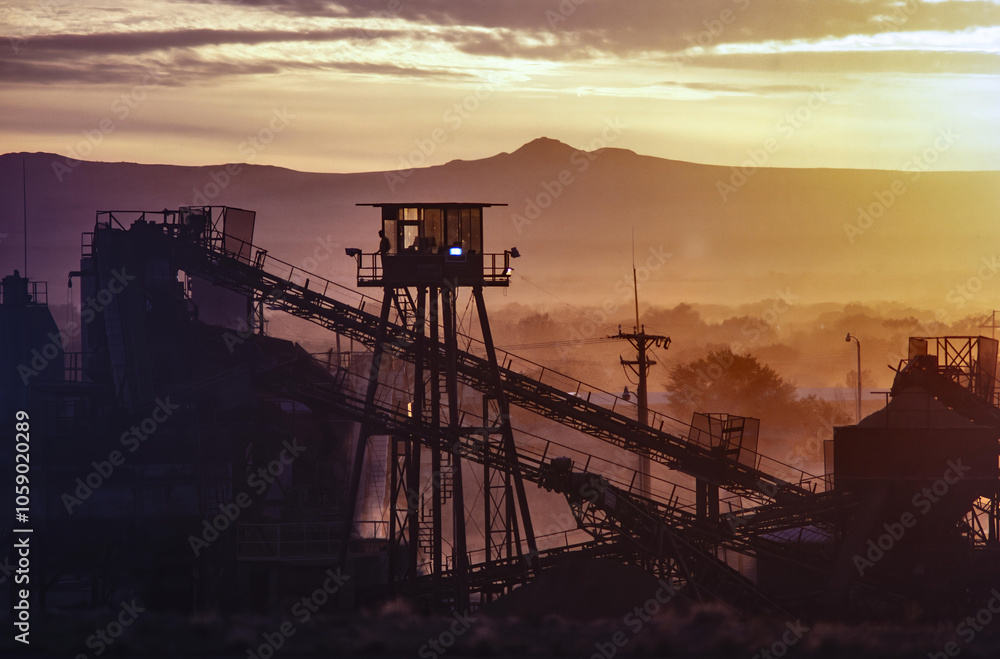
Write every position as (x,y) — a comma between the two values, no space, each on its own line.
(848,340)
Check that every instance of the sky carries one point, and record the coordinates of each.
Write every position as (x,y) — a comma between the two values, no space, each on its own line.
(351,86)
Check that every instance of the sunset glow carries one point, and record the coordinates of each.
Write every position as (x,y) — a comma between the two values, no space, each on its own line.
(367,83)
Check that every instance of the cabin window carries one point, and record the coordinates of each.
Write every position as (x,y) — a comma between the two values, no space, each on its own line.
(453,228)
(434,230)
(475,230)
(411,236)
(389,227)
(433,237)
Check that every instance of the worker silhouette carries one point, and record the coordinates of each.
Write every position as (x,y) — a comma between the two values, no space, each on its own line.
(383,244)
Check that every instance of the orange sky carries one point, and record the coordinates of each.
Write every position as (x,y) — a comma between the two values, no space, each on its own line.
(349,85)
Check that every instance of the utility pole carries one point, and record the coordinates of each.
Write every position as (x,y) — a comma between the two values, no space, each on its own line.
(848,339)
(642,343)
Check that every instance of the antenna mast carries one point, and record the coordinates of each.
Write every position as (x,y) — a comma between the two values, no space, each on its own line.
(635,283)
(24,206)
(642,343)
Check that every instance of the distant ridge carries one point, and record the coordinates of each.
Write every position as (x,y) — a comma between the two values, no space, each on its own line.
(707,234)
(540,148)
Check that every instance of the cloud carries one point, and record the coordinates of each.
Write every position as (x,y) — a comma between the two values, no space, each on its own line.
(133,43)
(427,38)
(739,88)
(577,28)
(112,57)
(840,62)
(191,69)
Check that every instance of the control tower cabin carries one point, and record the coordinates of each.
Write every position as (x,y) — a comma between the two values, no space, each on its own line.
(427,253)
(429,244)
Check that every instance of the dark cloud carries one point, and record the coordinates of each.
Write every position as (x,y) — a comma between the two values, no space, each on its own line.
(134,43)
(21,70)
(523,44)
(554,30)
(579,28)
(294,7)
(112,57)
(186,69)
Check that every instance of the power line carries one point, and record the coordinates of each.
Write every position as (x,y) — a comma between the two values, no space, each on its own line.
(556,344)
(551,294)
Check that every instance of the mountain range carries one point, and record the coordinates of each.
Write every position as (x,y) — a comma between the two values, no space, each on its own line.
(696,233)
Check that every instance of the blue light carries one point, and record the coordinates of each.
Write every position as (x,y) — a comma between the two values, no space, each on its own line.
(455,251)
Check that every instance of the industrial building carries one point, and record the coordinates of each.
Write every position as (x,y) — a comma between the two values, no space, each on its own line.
(184,454)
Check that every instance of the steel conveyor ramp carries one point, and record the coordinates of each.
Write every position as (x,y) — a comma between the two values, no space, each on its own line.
(572,404)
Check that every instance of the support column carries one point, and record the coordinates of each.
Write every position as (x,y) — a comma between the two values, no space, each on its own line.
(510,449)
(419,403)
(365,430)
(436,494)
(459,552)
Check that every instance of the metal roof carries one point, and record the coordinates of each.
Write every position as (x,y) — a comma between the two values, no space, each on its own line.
(425,204)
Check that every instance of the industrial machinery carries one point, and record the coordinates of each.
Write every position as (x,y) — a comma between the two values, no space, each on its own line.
(217,497)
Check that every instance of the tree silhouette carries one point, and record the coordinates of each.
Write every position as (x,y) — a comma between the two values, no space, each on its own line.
(740,384)
(724,381)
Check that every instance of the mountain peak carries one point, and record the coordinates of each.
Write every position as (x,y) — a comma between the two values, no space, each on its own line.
(544,146)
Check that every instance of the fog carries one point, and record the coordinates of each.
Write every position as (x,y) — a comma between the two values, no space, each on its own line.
(804,343)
